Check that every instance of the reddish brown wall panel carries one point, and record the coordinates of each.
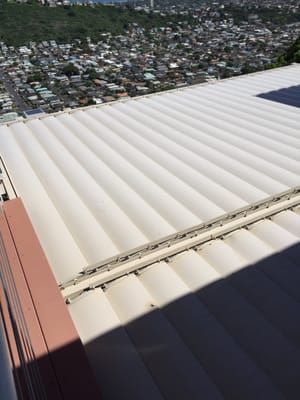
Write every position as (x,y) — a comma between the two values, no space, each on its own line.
(39,353)
(63,343)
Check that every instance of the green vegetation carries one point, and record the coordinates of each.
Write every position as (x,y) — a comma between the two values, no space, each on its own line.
(36,77)
(273,15)
(70,69)
(291,55)
(22,23)
(92,73)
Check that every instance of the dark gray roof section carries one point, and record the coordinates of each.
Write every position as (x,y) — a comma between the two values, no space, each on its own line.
(289,96)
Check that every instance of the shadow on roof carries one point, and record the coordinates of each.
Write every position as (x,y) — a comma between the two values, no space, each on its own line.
(289,96)
(237,338)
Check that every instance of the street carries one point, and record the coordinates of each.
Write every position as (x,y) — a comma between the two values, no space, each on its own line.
(19,102)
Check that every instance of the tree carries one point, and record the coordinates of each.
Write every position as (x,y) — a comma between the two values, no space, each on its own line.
(248,69)
(92,73)
(35,77)
(297,56)
(293,52)
(70,69)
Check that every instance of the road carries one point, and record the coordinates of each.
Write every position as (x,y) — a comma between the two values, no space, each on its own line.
(9,87)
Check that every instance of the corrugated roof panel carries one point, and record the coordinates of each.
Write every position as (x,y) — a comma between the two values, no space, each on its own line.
(102,206)
(238,163)
(119,190)
(113,177)
(217,141)
(223,258)
(118,367)
(153,153)
(253,106)
(261,290)
(276,236)
(230,304)
(284,77)
(290,221)
(228,114)
(171,363)
(213,314)
(204,335)
(126,162)
(195,278)
(170,152)
(57,178)
(146,167)
(249,246)
(42,210)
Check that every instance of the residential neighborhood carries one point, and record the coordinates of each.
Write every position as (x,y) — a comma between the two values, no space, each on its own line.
(48,76)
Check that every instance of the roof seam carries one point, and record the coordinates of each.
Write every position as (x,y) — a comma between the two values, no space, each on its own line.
(192,238)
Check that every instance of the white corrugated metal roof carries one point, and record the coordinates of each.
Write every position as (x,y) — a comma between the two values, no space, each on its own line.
(217,319)
(222,321)
(102,180)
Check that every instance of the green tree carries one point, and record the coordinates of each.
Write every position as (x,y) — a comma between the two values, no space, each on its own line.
(248,69)
(36,77)
(292,53)
(92,73)
(297,56)
(70,69)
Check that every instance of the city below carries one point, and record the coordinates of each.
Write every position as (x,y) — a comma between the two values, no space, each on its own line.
(212,41)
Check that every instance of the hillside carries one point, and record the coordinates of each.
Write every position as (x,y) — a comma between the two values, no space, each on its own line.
(21,23)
